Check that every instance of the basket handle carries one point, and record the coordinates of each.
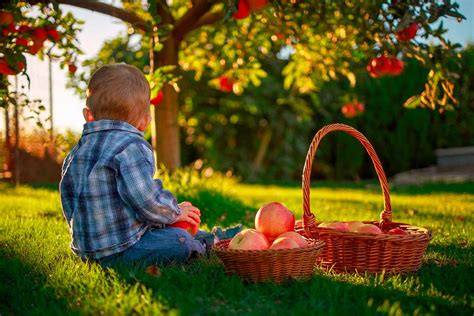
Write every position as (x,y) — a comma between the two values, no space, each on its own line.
(308,217)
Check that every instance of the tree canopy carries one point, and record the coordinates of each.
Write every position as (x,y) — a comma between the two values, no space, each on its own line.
(227,40)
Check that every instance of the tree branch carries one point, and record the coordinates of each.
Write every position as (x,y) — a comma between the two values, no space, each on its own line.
(108,9)
(185,24)
(208,19)
(163,10)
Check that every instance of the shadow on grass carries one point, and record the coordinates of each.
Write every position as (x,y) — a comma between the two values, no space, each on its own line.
(24,289)
(204,288)
(448,269)
(429,188)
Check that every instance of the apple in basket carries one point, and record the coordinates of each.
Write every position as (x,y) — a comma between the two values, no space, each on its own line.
(274,219)
(249,239)
(353,225)
(397,231)
(367,229)
(300,241)
(284,243)
(335,225)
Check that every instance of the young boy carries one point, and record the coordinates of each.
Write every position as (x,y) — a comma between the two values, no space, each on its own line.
(116,212)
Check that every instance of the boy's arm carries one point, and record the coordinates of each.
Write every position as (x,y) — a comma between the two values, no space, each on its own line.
(137,188)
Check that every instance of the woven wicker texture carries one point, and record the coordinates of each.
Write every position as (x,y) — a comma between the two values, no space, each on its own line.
(270,265)
(355,252)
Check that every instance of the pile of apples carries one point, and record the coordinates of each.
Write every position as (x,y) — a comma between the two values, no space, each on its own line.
(274,229)
(362,228)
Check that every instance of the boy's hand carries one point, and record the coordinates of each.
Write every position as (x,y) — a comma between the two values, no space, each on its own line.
(190,214)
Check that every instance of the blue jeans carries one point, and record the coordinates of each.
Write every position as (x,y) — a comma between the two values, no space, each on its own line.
(161,246)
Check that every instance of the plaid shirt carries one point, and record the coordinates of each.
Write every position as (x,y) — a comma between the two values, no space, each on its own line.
(108,194)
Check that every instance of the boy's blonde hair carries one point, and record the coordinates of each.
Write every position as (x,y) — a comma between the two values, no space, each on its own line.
(118,92)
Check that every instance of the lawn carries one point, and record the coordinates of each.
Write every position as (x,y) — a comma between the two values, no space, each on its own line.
(39,274)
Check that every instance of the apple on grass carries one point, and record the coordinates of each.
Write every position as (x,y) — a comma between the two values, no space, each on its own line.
(284,243)
(300,241)
(341,226)
(249,239)
(274,219)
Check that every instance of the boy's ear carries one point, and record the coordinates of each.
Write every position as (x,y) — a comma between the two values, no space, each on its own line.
(144,123)
(88,115)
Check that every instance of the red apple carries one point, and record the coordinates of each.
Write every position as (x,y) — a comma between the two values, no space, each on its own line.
(349,110)
(72,68)
(407,33)
(35,47)
(383,65)
(190,228)
(53,34)
(243,10)
(341,226)
(300,241)
(4,68)
(280,35)
(249,239)
(24,28)
(397,67)
(256,5)
(284,243)
(11,28)
(39,34)
(352,225)
(20,41)
(397,231)
(157,100)
(20,65)
(274,219)
(368,229)
(226,84)
(360,107)
(6,18)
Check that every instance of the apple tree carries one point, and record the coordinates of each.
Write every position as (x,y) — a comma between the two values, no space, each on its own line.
(322,41)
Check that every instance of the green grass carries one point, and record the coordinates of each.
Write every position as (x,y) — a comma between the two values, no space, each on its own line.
(39,274)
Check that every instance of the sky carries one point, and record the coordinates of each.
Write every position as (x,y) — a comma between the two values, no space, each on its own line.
(67,107)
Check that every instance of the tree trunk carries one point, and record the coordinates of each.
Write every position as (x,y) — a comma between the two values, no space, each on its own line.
(262,151)
(8,143)
(165,129)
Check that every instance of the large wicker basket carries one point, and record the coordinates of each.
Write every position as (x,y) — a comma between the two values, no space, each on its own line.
(270,265)
(355,252)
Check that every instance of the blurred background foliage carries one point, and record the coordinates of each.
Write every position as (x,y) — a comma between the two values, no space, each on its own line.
(264,133)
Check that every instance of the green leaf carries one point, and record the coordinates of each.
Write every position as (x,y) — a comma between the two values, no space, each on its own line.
(413,102)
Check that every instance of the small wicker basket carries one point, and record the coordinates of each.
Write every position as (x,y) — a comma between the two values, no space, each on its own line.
(270,265)
(355,252)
